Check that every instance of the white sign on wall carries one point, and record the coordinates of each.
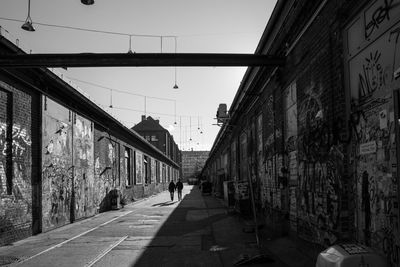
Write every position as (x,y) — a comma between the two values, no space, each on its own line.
(368,148)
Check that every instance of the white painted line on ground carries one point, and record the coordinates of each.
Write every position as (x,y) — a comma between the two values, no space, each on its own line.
(72,238)
(126,213)
(101,255)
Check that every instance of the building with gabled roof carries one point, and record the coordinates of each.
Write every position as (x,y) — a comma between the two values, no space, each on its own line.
(151,129)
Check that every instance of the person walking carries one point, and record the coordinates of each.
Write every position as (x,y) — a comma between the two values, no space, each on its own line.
(171,189)
(179,187)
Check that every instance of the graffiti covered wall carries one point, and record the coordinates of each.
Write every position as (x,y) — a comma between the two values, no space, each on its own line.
(68,189)
(83,151)
(290,130)
(15,164)
(56,165)
(373,59)
(106,168)
(273,157)
(320,160)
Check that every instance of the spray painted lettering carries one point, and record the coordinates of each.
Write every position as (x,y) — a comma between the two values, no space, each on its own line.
(378,17)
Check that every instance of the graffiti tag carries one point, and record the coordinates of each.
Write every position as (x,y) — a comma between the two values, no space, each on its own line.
(378,17)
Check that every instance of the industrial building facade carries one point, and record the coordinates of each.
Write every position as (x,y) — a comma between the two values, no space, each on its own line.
(62,158)
(192,164)
(318,138)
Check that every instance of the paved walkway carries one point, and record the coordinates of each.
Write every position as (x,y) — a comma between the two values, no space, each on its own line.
(197,231)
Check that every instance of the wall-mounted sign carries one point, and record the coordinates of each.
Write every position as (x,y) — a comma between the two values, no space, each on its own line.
(368,148)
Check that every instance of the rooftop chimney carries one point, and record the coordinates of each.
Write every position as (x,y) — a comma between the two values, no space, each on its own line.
(143,117)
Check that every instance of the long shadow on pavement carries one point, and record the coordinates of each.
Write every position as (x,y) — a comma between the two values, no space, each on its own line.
(186,236)
(162,204)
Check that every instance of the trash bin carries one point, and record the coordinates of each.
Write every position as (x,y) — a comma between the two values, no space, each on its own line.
(348,255)
(115,199)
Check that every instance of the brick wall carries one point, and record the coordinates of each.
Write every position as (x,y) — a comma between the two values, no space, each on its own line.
(305,179)
(15,164)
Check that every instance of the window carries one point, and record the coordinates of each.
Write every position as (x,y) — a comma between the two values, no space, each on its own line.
(134,168)
(146,167)
(157,171)
(154,138)
(163,174)
(139,167)
(128,178)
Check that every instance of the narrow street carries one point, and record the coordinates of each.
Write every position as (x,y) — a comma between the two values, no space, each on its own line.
(197,231)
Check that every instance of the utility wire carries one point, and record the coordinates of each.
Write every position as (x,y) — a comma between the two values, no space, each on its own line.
(136,110)
(119,91)
(131,34)
(93,30)
(129,93)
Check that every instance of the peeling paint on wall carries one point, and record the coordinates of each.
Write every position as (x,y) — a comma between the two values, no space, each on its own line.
(57,170)
(106,166)
(83,168)
(68,166)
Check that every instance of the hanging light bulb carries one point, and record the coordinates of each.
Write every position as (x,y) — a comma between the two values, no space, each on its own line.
(27,26)
(87,2)
(130,45)
(190,129)
(175,86)
(198,123)
(175,112)
(110,106)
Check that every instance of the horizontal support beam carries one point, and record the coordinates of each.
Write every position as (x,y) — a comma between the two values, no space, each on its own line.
(137,60)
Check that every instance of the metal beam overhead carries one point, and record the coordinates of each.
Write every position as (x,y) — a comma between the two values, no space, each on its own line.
(137,60)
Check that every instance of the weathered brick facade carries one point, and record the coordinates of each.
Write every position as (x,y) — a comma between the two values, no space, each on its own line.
(15,163)
(61,156)
(329,164)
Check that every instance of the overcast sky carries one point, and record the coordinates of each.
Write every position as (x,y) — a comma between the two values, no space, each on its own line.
(205,26)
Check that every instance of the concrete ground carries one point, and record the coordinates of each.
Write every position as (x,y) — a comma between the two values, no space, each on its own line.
(196,231)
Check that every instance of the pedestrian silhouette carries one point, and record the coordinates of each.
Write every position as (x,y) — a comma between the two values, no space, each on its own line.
(171,189)
(179,187)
